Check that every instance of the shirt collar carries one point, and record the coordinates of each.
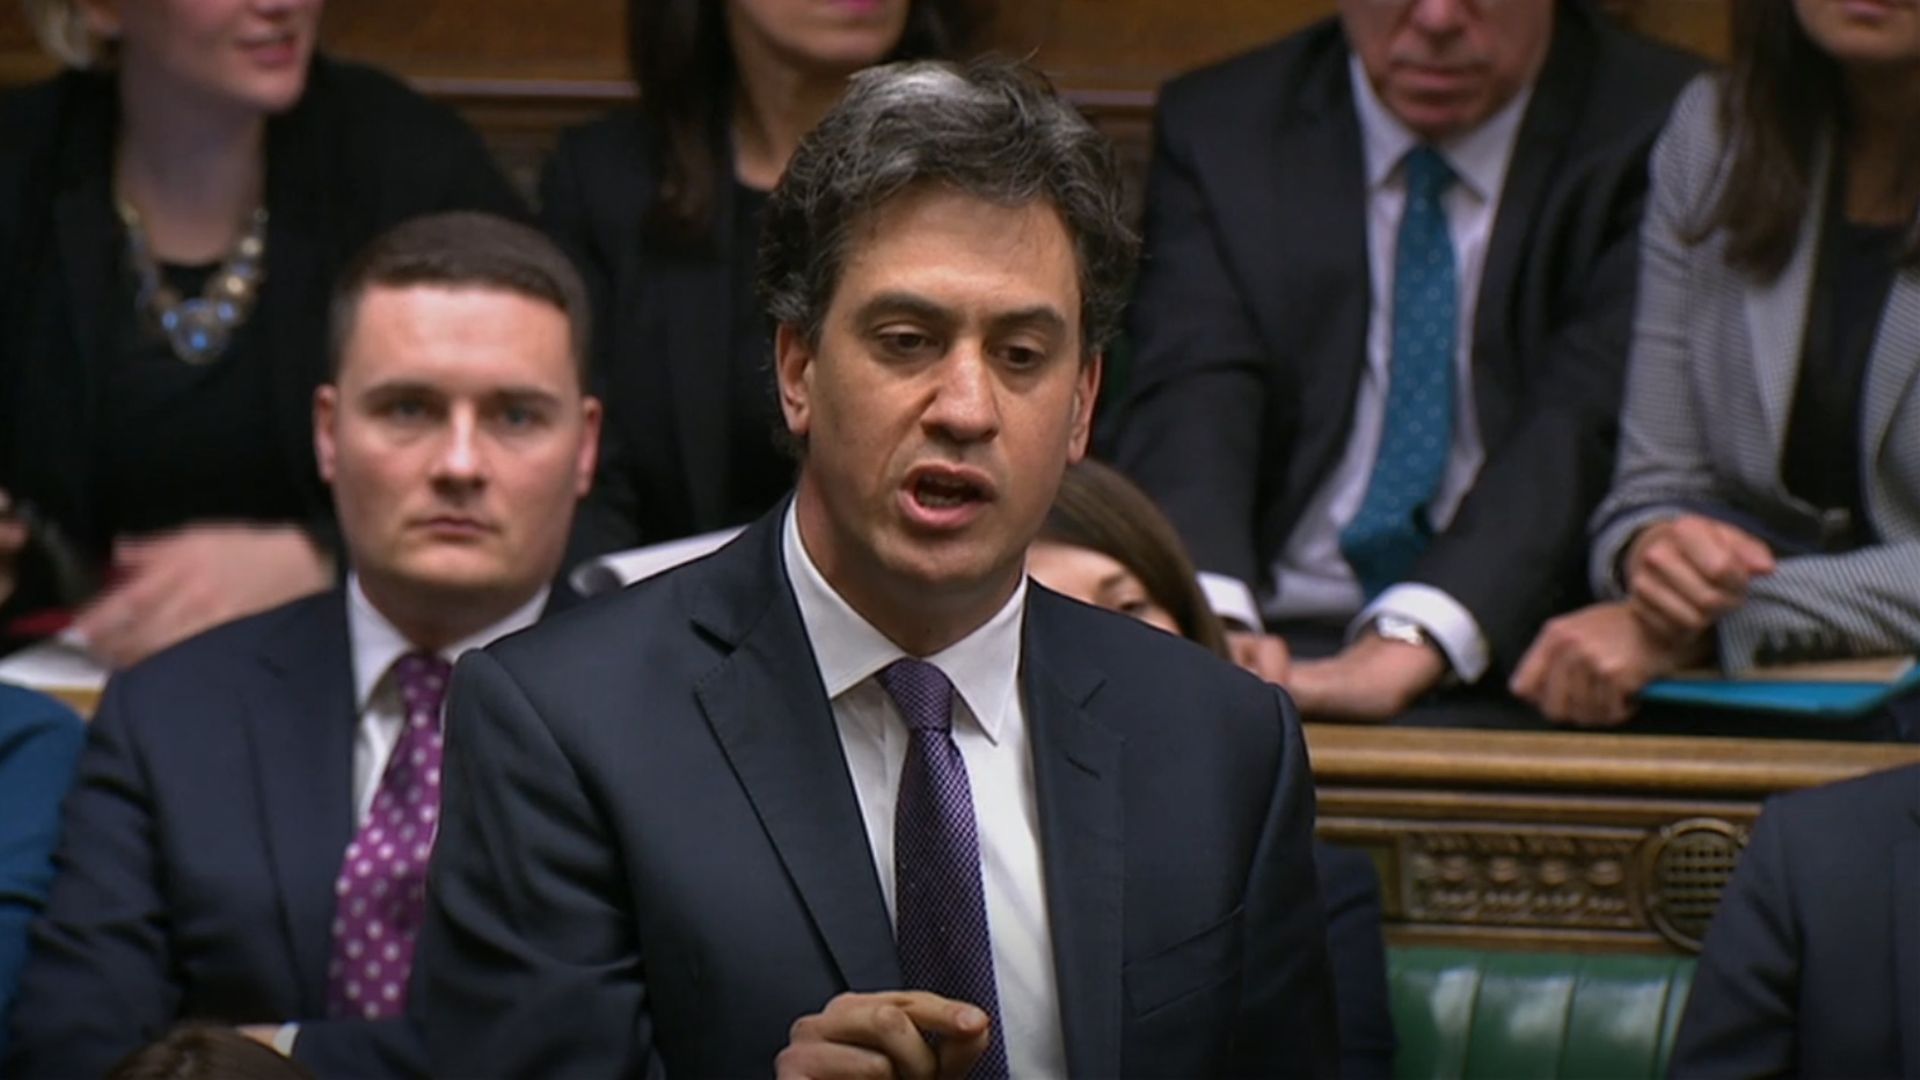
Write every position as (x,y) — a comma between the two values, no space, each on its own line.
(377,643)
(983,666)
(1479,157)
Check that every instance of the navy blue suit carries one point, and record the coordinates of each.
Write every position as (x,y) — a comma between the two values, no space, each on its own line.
(1812,964)
(201,843)
(652,860)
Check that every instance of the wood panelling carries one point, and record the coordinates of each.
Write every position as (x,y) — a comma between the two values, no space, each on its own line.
(1559,840)
(522,70)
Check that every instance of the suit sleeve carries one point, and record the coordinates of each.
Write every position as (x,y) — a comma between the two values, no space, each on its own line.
(1357,953)
(1553,468)
(529,964)
(1193,432)
(100,982)
(1286,1025)
(1663,465)
(1740,1021)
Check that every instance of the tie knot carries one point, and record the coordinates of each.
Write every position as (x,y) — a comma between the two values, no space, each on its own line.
(1428,174)
(423,685)
(922,692)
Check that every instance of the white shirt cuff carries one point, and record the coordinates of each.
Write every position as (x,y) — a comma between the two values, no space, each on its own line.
(283,1039)
(1232,600)
(1451,625)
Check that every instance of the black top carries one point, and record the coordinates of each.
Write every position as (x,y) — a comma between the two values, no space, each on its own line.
(187,442)
(682,351)
(1820,462)
(761,472)
(98,427)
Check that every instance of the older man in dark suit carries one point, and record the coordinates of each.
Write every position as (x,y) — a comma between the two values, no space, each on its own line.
(248,835)
(1381,327)
(852,797)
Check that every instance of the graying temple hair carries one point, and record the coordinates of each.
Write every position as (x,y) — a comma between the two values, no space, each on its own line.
(992,129)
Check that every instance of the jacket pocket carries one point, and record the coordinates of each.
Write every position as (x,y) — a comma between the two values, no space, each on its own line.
(1204,960)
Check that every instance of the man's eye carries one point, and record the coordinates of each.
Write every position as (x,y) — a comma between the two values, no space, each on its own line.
(406,410)
(1022,357)
(906,342)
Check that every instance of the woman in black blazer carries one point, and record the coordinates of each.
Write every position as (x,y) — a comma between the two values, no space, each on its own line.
(661,208)
(173,210)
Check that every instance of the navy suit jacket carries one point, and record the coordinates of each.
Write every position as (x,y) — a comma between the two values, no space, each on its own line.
(652,861)
(1250,318)
(1812,964)
(200,847)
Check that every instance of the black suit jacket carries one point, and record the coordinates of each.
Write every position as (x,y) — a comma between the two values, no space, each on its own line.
(1250,319)
(664,320)
(1812,964)
(358,154)
(200,846)
(652,860)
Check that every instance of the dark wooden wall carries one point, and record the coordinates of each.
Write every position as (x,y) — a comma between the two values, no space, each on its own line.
(523,69)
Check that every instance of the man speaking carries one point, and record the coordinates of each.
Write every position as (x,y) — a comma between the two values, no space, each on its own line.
(851,796)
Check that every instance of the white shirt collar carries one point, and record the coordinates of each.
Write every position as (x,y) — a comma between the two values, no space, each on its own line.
(1479,157)
(983,666)
(377,643)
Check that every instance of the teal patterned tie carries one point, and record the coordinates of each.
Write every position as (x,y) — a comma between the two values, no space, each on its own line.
(1392,528)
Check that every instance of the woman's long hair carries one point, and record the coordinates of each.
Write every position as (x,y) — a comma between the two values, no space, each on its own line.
(1099,509)
(1780,94)
(684,67)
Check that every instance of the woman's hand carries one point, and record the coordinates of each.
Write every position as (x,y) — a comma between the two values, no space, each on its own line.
(172,586)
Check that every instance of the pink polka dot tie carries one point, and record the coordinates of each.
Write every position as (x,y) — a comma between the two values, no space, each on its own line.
(381,895)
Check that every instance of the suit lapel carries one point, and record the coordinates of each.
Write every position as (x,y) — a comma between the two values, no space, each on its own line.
(1891,367)
(1777,322)
(1538,153)
(1299,200)
(299,717)
(1906,943)
(1076,769)
(771,716)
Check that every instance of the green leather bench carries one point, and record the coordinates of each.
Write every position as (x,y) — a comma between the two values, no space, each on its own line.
(1534,1016)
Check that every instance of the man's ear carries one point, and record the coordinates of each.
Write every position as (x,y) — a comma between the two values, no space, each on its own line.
(1086,392)
(793,358)
(326,404)
(591,417)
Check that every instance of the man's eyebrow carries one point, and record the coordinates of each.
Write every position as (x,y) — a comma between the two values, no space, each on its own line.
(525,395)
(1042,317)
(903,303)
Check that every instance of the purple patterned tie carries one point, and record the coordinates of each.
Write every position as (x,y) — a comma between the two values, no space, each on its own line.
(940,910)
(382,892)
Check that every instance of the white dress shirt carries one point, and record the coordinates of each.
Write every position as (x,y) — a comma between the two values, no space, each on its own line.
(377,645)
(990,729)
(1312,578)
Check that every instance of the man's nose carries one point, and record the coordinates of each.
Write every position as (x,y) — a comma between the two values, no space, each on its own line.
(965,406)
(462,457)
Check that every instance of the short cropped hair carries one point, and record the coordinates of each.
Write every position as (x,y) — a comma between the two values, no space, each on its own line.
(992,129)
(464,248)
